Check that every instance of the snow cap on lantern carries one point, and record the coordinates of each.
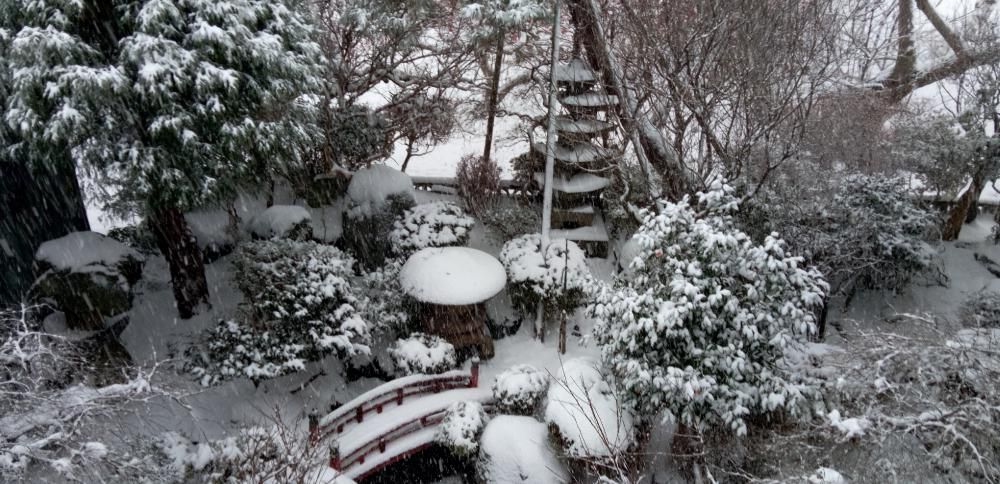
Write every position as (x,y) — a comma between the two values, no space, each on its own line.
(452,276)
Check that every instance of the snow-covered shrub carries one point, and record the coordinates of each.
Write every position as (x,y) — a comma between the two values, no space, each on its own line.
(256,455)
(516,450)
(384,303)
(423,353)
(300,307)
(376,198)
(89,276)
(982,310)
(282,222)
(478,182)
(861,232)
(519,389)
(587,415)
(435,224)
(461,428)
(506,222)
(698,328)
(560,278)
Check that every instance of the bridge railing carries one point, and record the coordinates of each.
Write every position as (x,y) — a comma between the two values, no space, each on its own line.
(377,445)
(393,392)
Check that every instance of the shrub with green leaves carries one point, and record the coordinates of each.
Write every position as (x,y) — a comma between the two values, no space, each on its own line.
(299,307)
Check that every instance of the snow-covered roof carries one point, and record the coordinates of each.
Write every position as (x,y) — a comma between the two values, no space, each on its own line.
(578,153)
(452,276)
(590,100)
(567,124)
(77,250)
(575,70)
(579,183)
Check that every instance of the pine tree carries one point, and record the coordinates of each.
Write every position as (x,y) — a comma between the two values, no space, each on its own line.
(497,18)
(171,103)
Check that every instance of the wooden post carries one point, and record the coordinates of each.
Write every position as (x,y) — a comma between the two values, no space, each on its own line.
(335,455)
(313,428)
(550,150)
(359,415)
(474,374)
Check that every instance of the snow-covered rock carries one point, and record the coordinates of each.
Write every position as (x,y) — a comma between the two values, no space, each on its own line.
(376,197)
(77,251)
(435,224)
(423,353)
(452,276)
(89,276)
(461,428)
(516,450)
(519,389)
(592,421)
(282,222)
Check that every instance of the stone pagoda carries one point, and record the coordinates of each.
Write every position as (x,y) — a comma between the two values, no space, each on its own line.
(582,158)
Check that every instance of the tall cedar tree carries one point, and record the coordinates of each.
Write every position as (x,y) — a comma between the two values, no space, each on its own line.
(171,104)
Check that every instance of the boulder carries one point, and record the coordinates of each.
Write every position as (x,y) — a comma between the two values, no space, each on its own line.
(88,276)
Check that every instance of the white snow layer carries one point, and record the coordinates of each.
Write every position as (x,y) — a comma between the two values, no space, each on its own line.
(78,250)
(370,188)
(515,449)
(278,220)
(587,413)
(211,228)
(452,276)
(579,183)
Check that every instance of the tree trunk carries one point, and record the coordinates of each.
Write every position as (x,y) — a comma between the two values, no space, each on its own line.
(491,108)
(36,204)
(648,145)
(688,448)
(958,213)
(187,268)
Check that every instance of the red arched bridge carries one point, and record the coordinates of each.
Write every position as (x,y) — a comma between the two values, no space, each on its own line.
(393,421)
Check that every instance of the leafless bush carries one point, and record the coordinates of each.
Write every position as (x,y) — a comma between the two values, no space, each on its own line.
(46,412)
(898,408)
(271,452)
(478,182)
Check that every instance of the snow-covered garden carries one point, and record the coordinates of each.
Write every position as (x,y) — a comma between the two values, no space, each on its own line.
(499,241)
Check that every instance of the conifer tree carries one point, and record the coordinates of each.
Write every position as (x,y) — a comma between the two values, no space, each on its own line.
(172,104)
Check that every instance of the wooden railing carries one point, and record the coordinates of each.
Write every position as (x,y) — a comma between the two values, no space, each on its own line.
(450,185)
(375,401)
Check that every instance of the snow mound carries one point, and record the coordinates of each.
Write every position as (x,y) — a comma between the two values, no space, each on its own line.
(76,251)
(515,450)
(423,354)
(371,187)
(211,228)
(591,420)
(452,276)
(278,221)
(826,475)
